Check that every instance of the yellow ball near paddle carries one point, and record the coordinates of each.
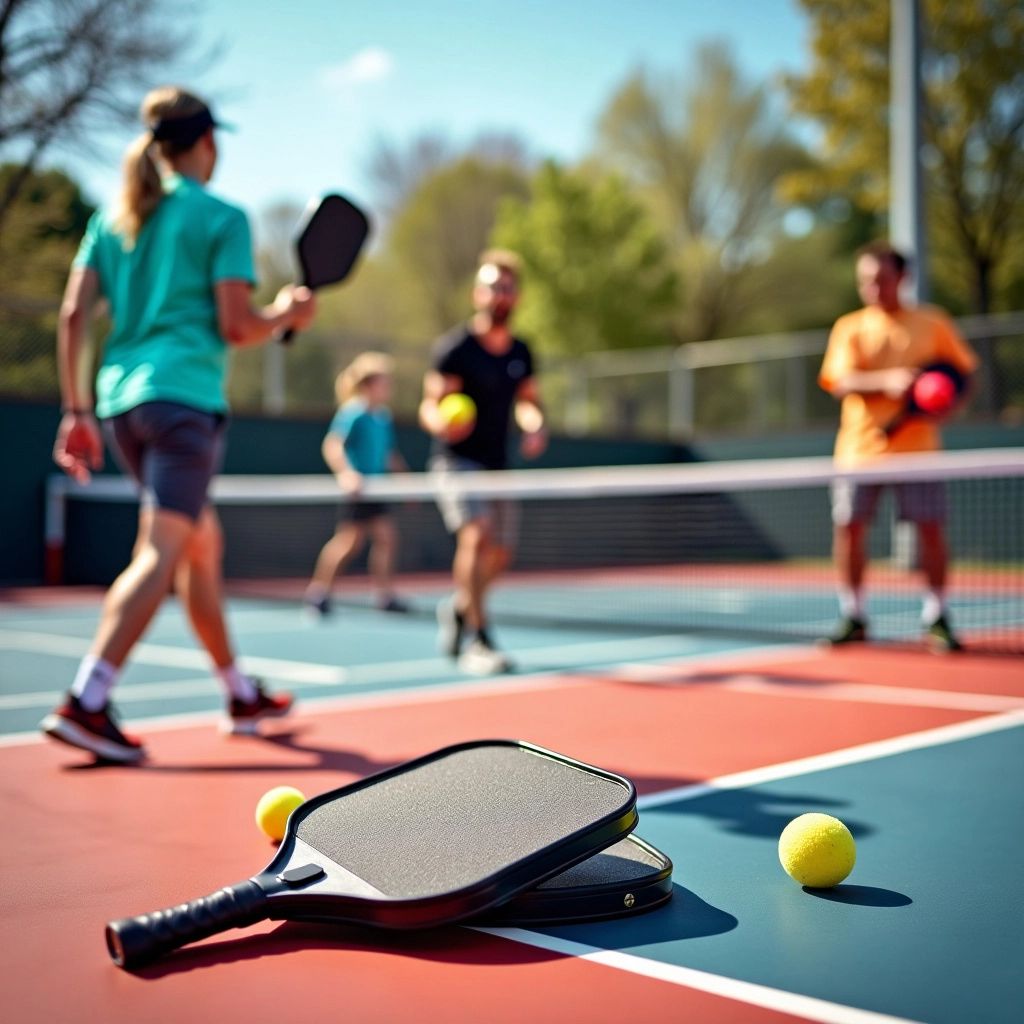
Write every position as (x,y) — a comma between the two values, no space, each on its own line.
(817,850)
(457,410)
(274,807)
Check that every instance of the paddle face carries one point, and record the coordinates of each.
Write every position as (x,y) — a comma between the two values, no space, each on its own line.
(628,878)
(330,237)
(329,241)
(434,841)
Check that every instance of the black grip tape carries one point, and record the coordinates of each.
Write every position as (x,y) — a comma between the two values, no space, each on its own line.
(134,941)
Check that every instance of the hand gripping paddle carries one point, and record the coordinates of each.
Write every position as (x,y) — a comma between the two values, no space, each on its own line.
(436,840)
(330,237)
(936,390)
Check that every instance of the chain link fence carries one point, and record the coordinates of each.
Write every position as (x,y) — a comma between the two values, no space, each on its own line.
(739,386)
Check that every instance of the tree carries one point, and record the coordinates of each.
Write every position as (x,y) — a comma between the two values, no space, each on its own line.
(36,248)
(71,68)
(973,103)
(435,240)
(707,154)
(598,272)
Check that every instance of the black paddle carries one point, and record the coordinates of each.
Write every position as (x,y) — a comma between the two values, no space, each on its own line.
(330,237)
(628,878)
(436,840)
(917,403)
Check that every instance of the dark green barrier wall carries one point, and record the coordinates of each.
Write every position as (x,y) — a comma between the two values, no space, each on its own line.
(254,446)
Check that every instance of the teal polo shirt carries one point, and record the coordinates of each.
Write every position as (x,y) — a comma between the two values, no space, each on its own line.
(367,434)
(164,343)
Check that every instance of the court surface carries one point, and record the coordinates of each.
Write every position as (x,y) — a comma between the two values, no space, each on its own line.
(726,741)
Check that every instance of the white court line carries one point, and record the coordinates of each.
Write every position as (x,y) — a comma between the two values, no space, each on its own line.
(840,758)
(732,988)
(447,690)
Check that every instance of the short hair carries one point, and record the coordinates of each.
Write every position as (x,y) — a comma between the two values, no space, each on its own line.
(360,371)
(885,251)
(504,259)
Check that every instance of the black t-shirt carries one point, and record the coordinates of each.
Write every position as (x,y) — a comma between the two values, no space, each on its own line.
(492,382)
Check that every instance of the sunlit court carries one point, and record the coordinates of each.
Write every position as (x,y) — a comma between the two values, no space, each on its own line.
(512,513)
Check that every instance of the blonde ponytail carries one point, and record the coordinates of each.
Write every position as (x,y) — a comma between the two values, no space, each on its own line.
(141,190)
(141,187)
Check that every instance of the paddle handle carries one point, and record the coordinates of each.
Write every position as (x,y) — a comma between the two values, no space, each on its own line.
(134,941)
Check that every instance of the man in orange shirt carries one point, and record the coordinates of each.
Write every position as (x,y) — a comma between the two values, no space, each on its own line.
(873,358)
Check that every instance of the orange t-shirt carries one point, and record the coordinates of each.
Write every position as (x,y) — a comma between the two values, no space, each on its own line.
(872,339)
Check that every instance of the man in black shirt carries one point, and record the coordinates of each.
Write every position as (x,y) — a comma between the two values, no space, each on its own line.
(486,362)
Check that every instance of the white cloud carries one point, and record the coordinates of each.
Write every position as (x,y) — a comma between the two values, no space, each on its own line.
(370,65)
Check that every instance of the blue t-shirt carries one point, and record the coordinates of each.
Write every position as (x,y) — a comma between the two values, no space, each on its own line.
(367,434)
(165,343)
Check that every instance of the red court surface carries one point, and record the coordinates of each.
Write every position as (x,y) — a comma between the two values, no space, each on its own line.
(88,844)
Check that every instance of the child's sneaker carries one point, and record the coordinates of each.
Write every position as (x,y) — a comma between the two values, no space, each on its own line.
(243,715)
(95,731)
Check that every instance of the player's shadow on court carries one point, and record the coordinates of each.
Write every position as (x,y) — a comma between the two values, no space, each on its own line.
(315,758)
(687,916)
(862,896)
(759,812)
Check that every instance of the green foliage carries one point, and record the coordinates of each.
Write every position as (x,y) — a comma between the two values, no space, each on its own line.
(597,271)
(38,242)
(437,237)
(973,79)
(706,153)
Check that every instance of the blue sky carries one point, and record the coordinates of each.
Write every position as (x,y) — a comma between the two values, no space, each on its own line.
(312,83)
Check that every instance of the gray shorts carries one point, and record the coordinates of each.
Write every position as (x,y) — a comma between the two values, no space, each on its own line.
(171,450)
(854,502)
(458,508)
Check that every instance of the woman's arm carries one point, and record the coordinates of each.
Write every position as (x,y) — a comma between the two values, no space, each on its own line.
(242,323)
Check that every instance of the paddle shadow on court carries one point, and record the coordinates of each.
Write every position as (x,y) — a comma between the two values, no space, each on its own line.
(687,916)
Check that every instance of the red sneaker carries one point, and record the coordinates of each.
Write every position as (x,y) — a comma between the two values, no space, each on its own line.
(95,731)
(244,715)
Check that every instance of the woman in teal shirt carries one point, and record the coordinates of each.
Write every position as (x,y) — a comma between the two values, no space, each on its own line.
(174,265)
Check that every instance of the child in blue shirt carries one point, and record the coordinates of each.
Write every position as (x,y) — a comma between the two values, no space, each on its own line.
(360,442)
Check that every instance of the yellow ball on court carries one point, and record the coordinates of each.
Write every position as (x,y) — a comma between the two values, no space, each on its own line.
(274,807)
(817,850)
(457,410)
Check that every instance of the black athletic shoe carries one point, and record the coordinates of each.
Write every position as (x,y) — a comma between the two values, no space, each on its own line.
(941,638)
(95,731)
(451,626)
(395,605)
(317,607)
(849,631)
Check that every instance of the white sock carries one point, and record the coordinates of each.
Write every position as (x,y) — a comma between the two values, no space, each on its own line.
(93,682)
(237,683)
(934,606)
(851,602)
(316,592)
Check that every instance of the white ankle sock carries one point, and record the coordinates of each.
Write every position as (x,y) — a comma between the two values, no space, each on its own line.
(851,603)
(237,683)
(934,606)
(93,682)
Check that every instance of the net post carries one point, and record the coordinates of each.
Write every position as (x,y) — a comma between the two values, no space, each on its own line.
(55,514)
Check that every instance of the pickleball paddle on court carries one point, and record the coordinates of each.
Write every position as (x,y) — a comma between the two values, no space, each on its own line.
(628,878)
(935,391)
(330,237)
(434,841)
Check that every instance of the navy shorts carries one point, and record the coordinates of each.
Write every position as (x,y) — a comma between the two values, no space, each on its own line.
(171,450)
(854,502)
(358,510)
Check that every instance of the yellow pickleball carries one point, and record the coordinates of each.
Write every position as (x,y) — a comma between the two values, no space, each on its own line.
(457,409)
(274,807)
(817,850)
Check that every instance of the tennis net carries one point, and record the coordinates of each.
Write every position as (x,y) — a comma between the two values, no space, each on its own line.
(739,548)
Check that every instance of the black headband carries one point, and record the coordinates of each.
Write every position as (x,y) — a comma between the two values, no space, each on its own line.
(183,131)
